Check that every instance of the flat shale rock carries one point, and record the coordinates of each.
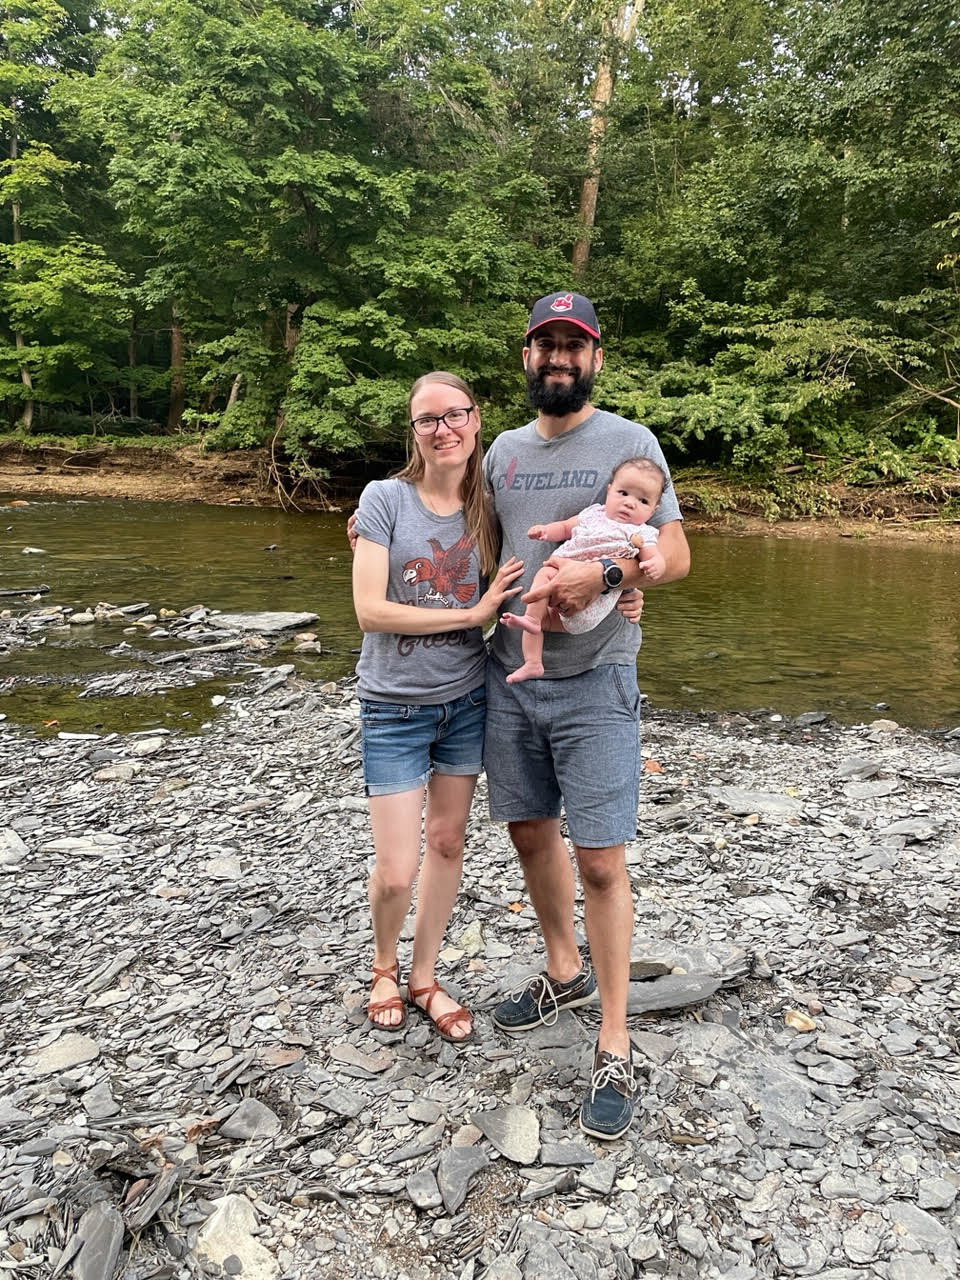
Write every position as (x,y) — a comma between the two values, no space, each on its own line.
(189,1085)
(68,1051)
(228,1233)
(514,1131)
(266,624)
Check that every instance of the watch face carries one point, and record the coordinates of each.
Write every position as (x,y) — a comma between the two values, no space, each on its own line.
(612,575)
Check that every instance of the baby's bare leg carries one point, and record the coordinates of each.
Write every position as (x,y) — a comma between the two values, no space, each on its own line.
(531,623)
(533,620)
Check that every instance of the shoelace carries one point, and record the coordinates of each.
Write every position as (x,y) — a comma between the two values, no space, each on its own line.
(545,990)
(614,1071)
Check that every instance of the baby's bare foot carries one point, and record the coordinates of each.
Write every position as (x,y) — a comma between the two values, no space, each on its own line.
(521,622)
(529,671)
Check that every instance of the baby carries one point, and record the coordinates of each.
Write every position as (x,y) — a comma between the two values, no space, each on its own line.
(617,528)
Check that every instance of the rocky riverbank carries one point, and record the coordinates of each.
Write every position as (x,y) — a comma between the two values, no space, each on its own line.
(924,509)
(188,1086)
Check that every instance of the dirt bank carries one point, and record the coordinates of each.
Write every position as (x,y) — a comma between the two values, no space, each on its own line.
(187,474)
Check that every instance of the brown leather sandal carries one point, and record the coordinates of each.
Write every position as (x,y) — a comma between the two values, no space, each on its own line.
(391,1002)
(445,1021)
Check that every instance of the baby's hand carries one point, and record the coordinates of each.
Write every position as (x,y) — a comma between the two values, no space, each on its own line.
(654,566)
(538,532)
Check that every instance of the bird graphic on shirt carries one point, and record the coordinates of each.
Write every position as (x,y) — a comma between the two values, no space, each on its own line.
(446,572)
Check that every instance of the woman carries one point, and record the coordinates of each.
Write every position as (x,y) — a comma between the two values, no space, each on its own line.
(426,544)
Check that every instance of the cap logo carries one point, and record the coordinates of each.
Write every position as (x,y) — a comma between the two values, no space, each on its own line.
(563,303)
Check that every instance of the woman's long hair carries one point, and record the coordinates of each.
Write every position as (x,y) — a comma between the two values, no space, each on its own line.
(477,508)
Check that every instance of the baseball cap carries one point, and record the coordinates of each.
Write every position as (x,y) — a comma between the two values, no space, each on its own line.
(572,307)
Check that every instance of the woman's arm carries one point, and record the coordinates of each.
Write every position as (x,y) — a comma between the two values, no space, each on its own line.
(371,574)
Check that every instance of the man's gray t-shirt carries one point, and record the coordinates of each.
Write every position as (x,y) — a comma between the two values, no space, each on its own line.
(433,565)
(535,480)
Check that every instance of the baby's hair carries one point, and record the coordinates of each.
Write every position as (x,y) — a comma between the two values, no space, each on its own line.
(642,464)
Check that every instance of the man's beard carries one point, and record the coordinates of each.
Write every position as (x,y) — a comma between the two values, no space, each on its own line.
(562,398)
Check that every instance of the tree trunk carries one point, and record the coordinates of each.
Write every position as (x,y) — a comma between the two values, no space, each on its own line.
(178,390)
(291,334)
(26,418)
(234,395)
(132,364)
(618,29)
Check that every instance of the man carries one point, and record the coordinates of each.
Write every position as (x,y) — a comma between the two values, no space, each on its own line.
(573,739)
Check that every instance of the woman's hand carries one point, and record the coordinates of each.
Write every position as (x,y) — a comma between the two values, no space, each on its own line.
(500,589)
(352,531)
(630,604)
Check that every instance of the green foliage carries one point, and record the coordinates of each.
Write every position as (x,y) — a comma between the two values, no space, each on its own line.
(262,222)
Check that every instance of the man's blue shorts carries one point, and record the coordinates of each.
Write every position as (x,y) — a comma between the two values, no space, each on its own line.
(404,743)
(575,741)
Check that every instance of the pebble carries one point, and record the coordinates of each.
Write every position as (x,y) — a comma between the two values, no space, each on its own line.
(185,971)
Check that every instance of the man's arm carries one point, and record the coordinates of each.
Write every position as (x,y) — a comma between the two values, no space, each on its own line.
(579,582)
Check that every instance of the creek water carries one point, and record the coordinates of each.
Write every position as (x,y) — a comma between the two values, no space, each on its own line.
(791,625)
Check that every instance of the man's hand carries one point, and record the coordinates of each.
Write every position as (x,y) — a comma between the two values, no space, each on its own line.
(576,584)
(630,604)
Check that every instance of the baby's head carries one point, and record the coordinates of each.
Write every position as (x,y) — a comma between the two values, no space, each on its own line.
(634,491)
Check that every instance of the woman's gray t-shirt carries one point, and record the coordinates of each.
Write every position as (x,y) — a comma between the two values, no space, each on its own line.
(434,564)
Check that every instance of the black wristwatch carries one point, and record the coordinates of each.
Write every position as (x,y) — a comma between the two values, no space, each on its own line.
(612,575)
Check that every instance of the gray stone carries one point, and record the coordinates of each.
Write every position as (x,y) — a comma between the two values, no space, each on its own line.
(228,1232)
(743,803)
(251,1119)
(599,1177)
(656,1048)
(458,1167)
(12,848)
(423,1190)
(11,1116)
(857,767)
(502,1268)
(873,790)
(921,829)
(913,1266)
(71,1050)
(831,1071)
(834,1187)
(343,1102)
(101,1230)
(918,1232)
(936,1193)
(223,868)
(267,624)
(789,1249)
(675,991)
(513,1130)
(544,1262)
(424,1111)
(99,1102)
(566,1153)
(691,1240)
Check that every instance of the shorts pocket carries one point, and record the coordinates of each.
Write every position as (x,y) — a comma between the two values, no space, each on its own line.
(372,712)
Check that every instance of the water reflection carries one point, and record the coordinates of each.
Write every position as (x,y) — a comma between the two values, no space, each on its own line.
(837,625)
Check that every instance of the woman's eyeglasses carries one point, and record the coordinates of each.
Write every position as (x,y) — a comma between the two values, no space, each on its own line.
(455,419)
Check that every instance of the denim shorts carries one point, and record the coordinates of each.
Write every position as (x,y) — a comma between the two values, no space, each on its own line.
(404,743)
(575,741)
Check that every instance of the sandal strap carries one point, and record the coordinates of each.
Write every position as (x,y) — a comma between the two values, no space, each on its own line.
(430,993)
(445,1021)
(382,1006)
(393,972)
